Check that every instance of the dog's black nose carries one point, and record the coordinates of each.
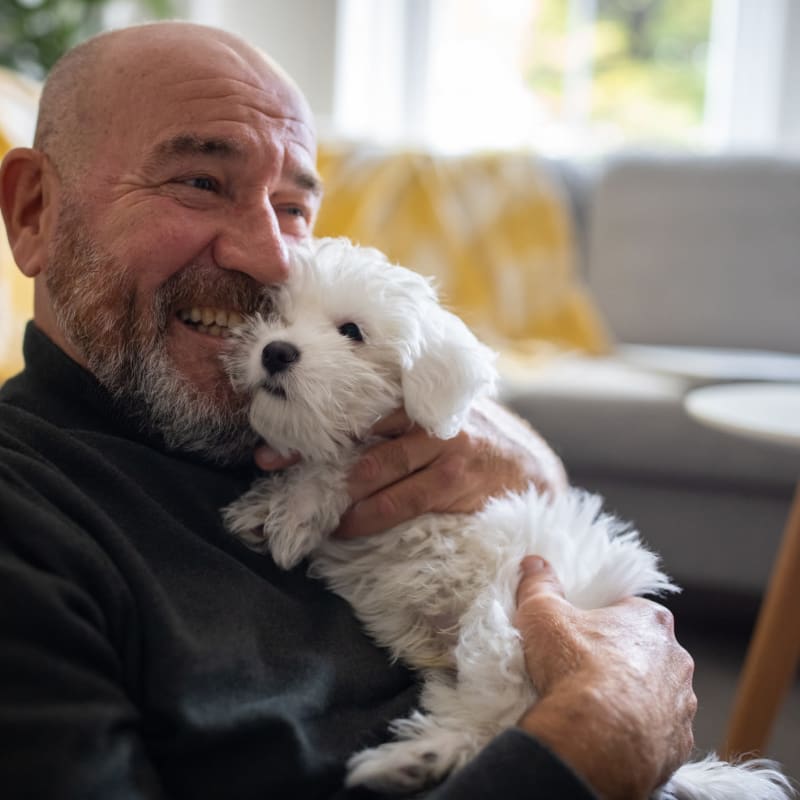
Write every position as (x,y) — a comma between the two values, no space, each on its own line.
(278,356)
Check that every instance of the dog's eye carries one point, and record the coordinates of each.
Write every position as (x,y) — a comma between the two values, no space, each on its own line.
(351,331)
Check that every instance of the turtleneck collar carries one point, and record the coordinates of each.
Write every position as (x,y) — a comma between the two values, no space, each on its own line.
(55,387)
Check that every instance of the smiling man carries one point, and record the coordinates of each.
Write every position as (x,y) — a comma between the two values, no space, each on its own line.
(145,652)
(189,208)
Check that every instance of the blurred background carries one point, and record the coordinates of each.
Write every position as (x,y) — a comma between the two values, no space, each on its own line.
(607,190)
(563,76)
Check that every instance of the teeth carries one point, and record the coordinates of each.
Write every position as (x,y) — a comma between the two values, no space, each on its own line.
(215,321)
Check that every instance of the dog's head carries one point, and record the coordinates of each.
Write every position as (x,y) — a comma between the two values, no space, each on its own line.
(350,338)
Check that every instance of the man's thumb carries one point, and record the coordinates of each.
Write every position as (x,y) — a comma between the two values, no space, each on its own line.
(537,577)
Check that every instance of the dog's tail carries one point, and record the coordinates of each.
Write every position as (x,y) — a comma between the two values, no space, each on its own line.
(712,779)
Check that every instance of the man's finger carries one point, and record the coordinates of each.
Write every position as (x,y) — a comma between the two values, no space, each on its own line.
(395,424)
(390,461)
(537,578)
(442,486)
(385,509)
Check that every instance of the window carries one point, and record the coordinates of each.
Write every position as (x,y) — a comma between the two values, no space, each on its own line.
(570,76)
(614,72)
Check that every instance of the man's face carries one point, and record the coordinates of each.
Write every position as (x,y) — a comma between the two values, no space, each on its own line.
(177,226)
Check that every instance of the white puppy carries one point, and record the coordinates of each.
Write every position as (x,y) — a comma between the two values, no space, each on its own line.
(351,338)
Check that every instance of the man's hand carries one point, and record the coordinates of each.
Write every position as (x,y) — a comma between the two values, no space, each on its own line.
(412,473)
(616,700)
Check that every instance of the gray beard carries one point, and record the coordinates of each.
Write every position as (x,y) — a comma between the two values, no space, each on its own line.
(127,350)
(186,420)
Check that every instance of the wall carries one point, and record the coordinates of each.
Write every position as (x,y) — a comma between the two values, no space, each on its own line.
(300,35)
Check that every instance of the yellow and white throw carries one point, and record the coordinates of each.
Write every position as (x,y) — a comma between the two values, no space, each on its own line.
(492,229)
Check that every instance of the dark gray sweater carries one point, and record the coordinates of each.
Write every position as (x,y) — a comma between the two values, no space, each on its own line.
(145,653)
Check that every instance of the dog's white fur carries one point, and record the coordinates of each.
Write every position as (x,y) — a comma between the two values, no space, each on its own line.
(439,591)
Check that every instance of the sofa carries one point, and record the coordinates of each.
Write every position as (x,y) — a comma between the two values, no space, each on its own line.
(694,264)
(611,290)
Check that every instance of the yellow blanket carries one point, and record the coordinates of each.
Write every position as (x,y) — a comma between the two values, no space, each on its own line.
(491,228)
(16,300)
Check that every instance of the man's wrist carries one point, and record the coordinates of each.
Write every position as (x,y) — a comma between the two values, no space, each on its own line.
(585,731)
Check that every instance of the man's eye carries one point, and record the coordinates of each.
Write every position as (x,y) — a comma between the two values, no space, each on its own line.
(351,331)
(295,211)
(203,183)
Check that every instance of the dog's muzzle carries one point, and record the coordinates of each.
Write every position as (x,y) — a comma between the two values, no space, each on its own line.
(279,356)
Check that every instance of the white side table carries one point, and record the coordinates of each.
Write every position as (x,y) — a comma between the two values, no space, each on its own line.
(767,411)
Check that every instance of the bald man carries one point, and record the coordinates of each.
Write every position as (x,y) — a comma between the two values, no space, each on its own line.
(146,653)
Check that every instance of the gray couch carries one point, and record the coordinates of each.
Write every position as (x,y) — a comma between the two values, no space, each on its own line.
(695,263)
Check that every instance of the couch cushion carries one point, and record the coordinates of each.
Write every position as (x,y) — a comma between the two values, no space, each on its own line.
(699,251)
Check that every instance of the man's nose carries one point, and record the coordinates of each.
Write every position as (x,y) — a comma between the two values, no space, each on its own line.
(253,243)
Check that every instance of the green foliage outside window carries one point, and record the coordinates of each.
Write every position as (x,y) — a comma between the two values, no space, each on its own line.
(34,33)
(648,66)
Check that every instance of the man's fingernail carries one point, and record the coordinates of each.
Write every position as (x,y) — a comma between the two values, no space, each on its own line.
(531,565)
(266,456)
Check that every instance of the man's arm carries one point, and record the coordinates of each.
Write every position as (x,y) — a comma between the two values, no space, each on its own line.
(68,728)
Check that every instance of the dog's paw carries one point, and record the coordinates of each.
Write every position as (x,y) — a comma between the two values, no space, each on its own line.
(245,519)
(397,767)
(274,518)
(287,545)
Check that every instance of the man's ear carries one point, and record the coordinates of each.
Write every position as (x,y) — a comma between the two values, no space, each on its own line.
(26,191)
(451,370)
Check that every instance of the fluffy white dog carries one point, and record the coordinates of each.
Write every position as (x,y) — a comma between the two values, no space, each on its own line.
(351,338)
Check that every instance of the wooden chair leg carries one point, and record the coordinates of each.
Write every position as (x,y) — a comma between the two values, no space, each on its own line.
(774,651)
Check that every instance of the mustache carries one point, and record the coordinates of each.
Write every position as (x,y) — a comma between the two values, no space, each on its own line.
(200,285)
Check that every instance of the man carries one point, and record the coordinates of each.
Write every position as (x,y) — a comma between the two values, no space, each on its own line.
(146,653)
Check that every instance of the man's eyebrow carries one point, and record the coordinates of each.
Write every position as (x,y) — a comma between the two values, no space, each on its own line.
(187,144)
(309,182)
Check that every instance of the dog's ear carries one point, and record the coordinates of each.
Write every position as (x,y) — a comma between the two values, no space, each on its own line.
(449,370)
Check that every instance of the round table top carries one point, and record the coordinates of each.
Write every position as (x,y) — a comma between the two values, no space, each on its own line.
(767,411)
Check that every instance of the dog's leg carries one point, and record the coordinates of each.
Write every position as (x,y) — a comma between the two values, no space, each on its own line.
(429,747)
(465,708)
(289,514)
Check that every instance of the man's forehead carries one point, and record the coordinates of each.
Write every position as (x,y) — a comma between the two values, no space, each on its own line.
(208,94)
(198,68)
(211,116)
